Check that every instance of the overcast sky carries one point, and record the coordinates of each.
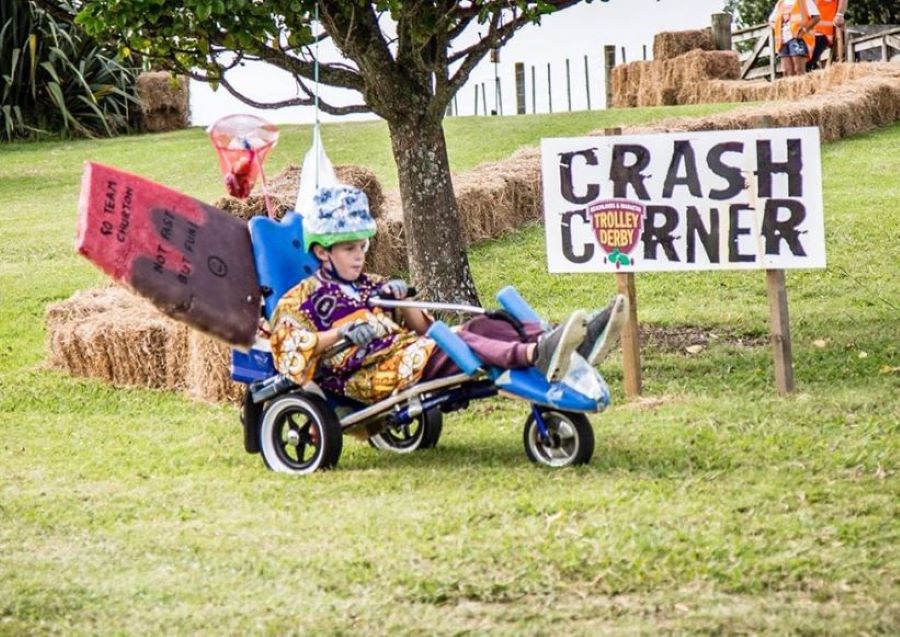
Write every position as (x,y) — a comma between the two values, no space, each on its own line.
(572,34)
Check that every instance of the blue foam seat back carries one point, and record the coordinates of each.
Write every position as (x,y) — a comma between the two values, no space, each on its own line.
(281,262)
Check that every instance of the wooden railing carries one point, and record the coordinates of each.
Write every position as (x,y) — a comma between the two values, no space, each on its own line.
(760,60)
(886,42)
(762,38)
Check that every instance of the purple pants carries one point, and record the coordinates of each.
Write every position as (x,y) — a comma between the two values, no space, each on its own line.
(495,341)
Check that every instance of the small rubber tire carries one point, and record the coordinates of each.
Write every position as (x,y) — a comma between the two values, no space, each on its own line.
(423,433)
(294,424)
(571,439)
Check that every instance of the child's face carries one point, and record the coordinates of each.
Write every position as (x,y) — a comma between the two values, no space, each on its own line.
(346,257)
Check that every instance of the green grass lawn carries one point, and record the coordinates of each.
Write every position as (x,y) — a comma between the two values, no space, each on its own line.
(713,507)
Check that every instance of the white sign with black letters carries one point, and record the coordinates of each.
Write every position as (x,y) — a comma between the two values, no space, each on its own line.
(722,200)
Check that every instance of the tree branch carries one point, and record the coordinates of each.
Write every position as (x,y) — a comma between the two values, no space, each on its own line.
(341,77)
(296,101)
(359,38)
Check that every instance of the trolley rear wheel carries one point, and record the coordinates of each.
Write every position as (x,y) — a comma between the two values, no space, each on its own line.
(300,434)
(422,433)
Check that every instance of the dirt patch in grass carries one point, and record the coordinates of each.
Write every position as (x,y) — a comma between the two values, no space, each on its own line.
(678,338)
(647,403)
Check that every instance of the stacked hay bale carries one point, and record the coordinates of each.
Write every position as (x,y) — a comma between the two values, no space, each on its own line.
(165,104)
(682,62)
(841,101)
(671,82)
(115,336)
(112,335)
(672,44)
(498,197)
(283,192)
(685,75)
(687,71)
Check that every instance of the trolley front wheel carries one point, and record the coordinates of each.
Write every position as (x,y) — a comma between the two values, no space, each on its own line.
(569,439)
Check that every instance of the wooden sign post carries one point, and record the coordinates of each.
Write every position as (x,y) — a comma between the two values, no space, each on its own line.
(780,331)
(631,336)
(609,61)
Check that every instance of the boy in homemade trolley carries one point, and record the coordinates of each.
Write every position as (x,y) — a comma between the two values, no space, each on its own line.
(388,351)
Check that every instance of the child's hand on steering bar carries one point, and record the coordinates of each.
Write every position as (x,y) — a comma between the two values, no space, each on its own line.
(396,289)
(360,334)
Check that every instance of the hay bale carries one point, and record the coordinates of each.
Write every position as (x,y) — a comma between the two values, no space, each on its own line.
(493,198)
(702,66)
(497,197)
(165,103)
(625,80)
(118,337)
(86,303)
(701,77)
(650,86)
(482,200)
(689,76)
(387,250)
(283,192)
(208,370)
(364,179)
(672,81)
(671,44)
(845,102)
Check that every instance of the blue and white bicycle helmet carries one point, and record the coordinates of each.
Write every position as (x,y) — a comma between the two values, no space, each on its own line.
(340,213)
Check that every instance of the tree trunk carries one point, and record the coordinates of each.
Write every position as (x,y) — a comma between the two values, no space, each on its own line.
(435,245)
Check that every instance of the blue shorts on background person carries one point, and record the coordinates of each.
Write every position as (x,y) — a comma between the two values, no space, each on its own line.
(793,23)
(793,48)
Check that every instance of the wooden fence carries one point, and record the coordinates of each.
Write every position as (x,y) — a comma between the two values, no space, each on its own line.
(886,43)
(754,45)
(759,61)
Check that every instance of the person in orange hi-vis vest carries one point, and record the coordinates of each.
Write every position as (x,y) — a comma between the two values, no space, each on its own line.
(832,14)
(793,22)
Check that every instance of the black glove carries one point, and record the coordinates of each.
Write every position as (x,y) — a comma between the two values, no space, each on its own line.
(396,289)
(360,334)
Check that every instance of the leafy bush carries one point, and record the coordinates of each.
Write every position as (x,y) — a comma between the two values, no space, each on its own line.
(56,80)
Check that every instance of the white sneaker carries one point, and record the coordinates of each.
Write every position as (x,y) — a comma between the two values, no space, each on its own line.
(554,349)
(603,331)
